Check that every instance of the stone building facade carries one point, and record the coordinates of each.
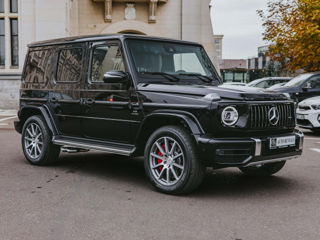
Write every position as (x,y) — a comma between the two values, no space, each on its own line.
(45,19)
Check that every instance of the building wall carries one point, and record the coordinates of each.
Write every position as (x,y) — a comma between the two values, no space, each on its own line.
(218,43)
(38,20)
(46,19)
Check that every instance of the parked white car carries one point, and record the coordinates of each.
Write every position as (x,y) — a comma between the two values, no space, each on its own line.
(308,114)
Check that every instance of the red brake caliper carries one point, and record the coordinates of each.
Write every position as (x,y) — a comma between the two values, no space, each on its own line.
(159,160)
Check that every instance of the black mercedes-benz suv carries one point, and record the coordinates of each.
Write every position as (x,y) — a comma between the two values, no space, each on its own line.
(136,95)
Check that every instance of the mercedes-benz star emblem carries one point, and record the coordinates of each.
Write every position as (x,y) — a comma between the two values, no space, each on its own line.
(274,116)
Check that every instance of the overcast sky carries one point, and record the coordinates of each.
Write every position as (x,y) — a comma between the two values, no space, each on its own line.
(238,21)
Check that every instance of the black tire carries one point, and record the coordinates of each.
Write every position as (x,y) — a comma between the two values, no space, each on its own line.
(264,170)
(48,153)
(194,169)
(316,131)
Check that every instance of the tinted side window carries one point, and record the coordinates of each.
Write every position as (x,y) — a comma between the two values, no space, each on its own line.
(314,82)
(105,59)
(38,66)
(69,65)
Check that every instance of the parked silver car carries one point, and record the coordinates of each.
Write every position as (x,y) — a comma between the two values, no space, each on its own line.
(268,82)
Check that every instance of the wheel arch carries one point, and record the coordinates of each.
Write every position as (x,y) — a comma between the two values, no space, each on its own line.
(29,111)
(156,120)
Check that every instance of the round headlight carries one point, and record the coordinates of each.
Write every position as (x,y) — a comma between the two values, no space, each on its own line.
(229,116)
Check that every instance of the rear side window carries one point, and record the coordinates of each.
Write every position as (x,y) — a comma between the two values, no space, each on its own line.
(39,66)
(69,65)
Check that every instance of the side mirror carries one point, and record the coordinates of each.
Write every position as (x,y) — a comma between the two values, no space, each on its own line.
(307,86)
(116,77)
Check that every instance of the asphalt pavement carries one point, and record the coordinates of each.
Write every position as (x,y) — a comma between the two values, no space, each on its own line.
(100,196)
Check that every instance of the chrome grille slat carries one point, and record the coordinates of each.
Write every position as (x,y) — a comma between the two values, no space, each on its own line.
(284,114)
(281,115)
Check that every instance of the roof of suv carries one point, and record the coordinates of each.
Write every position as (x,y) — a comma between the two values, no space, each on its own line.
(78,39)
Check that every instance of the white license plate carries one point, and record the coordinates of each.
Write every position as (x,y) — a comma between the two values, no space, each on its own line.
(282,142)
(301,116)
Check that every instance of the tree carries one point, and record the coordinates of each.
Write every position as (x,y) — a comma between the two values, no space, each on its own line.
(273,69)
(293,28)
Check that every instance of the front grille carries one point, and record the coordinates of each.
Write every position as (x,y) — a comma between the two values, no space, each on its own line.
(259,115)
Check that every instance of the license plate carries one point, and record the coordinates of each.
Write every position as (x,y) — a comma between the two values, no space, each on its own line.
(282,142)
(301,117)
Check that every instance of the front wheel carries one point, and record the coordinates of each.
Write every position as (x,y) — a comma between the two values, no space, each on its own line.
(316,131)
(264,169)
(171,161)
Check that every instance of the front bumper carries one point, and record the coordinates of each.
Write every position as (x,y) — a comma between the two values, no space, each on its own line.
(310,119)
(243,152)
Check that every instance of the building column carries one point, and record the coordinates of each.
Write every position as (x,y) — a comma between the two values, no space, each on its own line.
(197,27)
(108,10)
(152,10)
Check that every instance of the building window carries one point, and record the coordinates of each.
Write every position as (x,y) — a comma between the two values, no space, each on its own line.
(1,6)
(9,34)
(14,6)
(14,42)
(2,44)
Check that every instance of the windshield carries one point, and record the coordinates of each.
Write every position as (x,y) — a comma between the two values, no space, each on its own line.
(166,62)
(255,82)
(297,81)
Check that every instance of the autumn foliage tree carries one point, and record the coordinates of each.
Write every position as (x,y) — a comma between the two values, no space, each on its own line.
(293,28)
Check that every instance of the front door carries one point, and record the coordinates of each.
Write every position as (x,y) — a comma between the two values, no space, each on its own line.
(108,107)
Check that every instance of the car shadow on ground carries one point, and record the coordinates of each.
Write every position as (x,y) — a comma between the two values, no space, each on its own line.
(224,183)
(232,183)
(311,134)
(106,166)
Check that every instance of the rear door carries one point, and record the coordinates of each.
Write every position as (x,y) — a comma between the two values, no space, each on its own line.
(65,97)
(109,108)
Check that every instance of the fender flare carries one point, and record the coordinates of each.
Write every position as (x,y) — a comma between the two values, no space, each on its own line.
(44,111)
(188,118)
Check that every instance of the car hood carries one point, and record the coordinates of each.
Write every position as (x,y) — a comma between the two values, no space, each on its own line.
(225,92)
(311,101)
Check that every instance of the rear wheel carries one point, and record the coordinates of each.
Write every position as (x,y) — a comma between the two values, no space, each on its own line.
(36,142)
(171,161)
(264,169)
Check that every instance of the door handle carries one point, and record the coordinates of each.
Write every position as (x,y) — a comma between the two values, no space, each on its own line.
(89,101)
(53,100)
(135,108)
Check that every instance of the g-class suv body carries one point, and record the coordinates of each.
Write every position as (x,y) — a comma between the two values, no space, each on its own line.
(136,95)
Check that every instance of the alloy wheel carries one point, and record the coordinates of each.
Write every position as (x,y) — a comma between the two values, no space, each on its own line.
(167,161)
(33,140)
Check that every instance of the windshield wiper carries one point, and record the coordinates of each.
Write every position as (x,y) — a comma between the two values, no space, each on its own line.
(170,77)
(203,78)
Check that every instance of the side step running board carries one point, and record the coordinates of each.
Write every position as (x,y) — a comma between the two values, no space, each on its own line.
(121,149)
